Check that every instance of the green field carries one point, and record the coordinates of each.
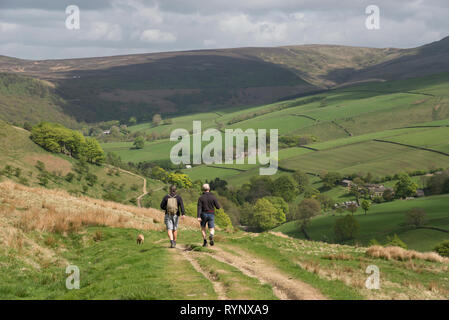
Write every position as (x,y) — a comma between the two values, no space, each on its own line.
(346,122)
(384,220)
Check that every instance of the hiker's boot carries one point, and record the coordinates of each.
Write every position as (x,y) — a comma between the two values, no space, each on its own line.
(211,238)
(172,244)
(205,243)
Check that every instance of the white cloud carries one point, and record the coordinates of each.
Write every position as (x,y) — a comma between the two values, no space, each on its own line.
(126,26)
(6,27)
(157,36)
(242,27)
(101,31)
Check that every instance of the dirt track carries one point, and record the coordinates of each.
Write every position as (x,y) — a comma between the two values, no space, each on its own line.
(284,286)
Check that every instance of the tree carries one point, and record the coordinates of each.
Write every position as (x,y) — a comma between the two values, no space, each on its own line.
(415,217)
(55,138)
(301,179)
(157,119)
(327,203)
(259,187)
(352,207)
(388,195)
(139,143)
(282,208)
(265,214)
(306,210)
(346,228)
(366,205)
(132,121)
(405,187)
(285,187)
(311,192)
(331,179)
(93,152)
(158,173)
(181,180)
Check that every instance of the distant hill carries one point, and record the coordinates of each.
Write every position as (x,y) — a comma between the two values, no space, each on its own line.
(106,88)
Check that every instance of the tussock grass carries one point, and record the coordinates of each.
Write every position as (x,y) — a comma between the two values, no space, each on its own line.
(56,211)
(397,253)
(338,256)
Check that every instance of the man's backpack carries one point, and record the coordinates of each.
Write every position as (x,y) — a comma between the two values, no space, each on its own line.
(172,205)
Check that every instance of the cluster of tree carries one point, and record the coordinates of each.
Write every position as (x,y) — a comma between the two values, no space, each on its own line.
(266,213)
(58,139)
(295,141)
(280,193)
(438,183)
(405,187)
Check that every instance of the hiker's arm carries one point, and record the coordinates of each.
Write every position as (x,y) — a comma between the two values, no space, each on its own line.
(216,204)
(181,205)
(164,203)
(199,210)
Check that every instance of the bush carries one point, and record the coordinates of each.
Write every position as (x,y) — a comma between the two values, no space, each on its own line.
(69,177)
(346,228)
(442,249)
(24,181)
(394,241)
(191,209)
(415,217)
(265,215)
(223,220)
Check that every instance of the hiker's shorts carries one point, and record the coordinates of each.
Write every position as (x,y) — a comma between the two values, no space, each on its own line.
(208,218)
(171,221)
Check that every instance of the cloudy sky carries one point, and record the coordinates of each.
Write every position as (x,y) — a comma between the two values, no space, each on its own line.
(36,29)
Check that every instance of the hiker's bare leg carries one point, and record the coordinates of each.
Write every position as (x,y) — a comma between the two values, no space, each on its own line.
(170,234)
(175,235)
(203,232)
(212,231)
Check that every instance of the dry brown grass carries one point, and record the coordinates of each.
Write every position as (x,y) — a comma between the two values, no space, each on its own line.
(56,211)
(338,256)
(24,209)
(51,162)
(397,253)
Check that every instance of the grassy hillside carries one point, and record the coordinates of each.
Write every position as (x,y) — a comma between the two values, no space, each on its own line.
(116,88)
(386,219)
(24,99)
(353,125)
(22,154)
(44,231)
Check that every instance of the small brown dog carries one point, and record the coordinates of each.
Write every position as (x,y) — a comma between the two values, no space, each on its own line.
(140,239)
